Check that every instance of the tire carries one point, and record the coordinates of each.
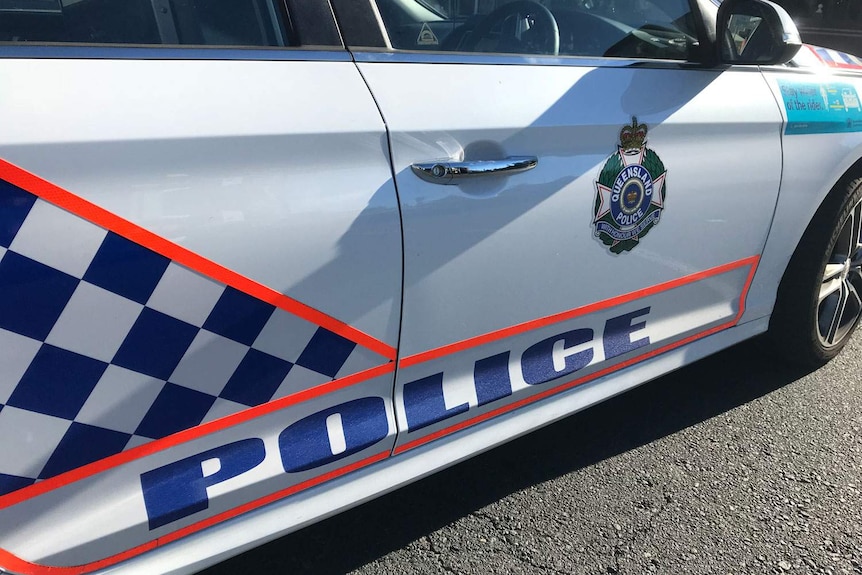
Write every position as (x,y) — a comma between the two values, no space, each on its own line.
(820,296)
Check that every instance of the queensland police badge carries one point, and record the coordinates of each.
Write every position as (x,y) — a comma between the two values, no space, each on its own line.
(630,191)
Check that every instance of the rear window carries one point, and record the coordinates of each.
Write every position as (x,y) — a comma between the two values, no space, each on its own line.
(183,22)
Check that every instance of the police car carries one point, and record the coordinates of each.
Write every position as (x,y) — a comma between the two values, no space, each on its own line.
(262,260)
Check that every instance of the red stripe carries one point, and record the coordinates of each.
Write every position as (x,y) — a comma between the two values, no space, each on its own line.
(752,261)
(101,217)
(571,314)
(188,435)
(824,56)
(14,563)
(845,65)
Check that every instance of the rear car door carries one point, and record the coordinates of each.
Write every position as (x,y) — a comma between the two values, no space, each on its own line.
(579,193)
(200,270)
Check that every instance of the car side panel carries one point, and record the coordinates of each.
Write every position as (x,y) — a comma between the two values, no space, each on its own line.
(225,157)
(815,159)
(510,296)
(200,277)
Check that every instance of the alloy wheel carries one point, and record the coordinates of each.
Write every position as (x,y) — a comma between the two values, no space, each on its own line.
(839,304)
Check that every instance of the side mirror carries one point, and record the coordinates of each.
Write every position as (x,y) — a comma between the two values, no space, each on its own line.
(755,32)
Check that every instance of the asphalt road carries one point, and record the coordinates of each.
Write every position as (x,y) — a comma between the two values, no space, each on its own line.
(737,464)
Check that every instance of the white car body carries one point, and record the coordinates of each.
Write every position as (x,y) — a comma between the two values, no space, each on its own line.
(276,230)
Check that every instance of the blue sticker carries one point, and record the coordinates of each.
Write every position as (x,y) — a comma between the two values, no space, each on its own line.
(821,107)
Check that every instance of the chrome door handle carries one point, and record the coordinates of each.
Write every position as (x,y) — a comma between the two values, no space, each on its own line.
(446,172)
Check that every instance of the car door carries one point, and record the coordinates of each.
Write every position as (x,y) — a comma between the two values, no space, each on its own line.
(578,195)
(200,270)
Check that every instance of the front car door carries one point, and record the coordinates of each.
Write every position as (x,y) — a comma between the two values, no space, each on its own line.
(578,195)
(200,272)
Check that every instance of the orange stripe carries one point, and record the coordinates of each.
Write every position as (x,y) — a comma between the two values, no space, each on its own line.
(101,217)
(571,314)
(188,435)
(14,563)
(752,261)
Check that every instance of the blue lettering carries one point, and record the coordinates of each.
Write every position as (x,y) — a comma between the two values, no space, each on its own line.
(308,443)
(424,404)
(618,330)
(538,363)
(491,376)
(179,489)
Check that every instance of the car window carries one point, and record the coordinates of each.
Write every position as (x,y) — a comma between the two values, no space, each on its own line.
(661,29)
(193,22)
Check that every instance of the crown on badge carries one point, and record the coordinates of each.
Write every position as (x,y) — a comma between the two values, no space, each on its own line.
(633,137)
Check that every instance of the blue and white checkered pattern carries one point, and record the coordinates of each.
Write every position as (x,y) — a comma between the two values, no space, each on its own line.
(835,57)
(106,345)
